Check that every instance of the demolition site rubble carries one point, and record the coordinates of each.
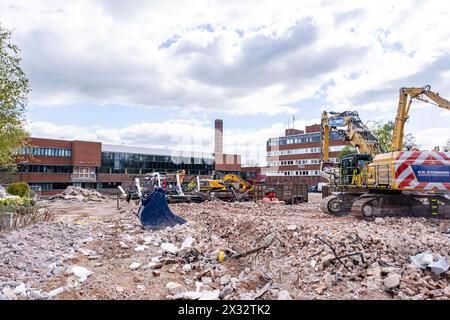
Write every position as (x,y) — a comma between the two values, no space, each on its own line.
(270,251)
(72,193)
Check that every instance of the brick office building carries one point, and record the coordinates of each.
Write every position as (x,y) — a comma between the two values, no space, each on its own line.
(55,164)
(297,154)
(51,165)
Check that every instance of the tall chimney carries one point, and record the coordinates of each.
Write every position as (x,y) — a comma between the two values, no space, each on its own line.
(218,136)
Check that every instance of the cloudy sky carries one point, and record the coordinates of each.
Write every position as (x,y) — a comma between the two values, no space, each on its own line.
(157,73)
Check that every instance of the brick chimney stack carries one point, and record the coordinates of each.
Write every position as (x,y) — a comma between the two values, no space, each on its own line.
(218,136)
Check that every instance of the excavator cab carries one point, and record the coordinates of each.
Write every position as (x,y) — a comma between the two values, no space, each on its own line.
(353,168)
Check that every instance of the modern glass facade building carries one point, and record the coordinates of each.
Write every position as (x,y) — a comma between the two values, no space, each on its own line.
(135,160)
(52,165)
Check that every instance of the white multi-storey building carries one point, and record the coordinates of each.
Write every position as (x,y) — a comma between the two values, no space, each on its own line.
(298,154)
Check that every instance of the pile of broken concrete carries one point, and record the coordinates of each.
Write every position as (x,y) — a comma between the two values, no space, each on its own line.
(313,256)
(78,194)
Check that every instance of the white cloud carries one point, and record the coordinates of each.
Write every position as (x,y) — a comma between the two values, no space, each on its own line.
(241,58)
(225,57)
(67,132)
(430,138)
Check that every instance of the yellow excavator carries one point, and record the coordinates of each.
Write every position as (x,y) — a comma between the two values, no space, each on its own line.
(237,183)
(225,182)
(375,182)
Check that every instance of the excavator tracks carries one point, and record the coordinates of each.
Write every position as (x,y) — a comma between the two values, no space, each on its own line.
(363,208)
(337,205)
(371,206)
(325,205)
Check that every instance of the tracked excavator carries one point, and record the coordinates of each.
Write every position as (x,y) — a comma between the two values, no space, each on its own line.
(374,182)
(221,181)
(239,184)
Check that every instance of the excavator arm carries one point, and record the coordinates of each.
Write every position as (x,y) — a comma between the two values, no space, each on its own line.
(441,102)
(406,97)
(241,184)
(355,132)
(362,138)
(325,128)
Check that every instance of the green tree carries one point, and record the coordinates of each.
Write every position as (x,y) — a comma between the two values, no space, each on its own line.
(13,98)
(409,141)
(385,131)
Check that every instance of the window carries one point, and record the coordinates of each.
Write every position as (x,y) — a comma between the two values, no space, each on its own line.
(84,173)
(336,148)
(49,186)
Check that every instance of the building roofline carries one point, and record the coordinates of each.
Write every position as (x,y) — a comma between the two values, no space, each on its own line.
(155,151)
(105,147)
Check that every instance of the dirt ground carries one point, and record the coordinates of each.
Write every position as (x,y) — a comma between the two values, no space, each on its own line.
(128,262)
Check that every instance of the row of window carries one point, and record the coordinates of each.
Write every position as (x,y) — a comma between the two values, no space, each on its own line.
(49,186)
(293,162)
(115,162)
(195,169)
(292,151)
(61,186)
(336,148)
(302,138)
(45,168)
(49,152)
(298,162)
(90,172)
(294,173)
(302,151)
(133,158)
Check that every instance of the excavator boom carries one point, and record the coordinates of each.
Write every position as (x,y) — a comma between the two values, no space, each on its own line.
(441,102)
(406,97)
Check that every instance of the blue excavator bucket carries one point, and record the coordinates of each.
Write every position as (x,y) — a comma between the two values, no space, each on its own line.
(154,212)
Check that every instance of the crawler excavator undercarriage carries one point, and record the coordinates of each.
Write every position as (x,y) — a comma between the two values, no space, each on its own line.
(395,183)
